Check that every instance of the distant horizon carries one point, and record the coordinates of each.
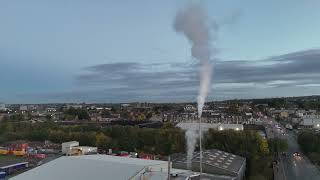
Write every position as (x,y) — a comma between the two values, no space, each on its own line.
(182,102)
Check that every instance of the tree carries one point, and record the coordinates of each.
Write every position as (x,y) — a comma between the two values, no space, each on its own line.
(102,140)
(168,125)
(125,115)
(57,136)
(277,145)
(17,117)
(72,113)
(38,135)
(149,115)
(264,146)
(48,117)
(29,116)
(309,142)
(6,127)
(141,117)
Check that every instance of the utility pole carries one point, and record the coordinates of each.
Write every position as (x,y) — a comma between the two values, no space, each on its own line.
(200,144)
(169,167)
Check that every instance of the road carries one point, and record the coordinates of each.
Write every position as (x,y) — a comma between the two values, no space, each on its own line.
(293,168)
(298,168)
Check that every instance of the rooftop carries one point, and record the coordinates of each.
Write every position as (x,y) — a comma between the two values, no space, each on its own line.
(215,158)
(207,126)
(94,167)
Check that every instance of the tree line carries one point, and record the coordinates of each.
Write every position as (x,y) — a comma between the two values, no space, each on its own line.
(309,142)
(162,141)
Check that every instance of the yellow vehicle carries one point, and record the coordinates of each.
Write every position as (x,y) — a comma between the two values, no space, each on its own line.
(4,152)
(19,153)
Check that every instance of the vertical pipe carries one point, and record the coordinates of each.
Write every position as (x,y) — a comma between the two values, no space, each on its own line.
(169,168)
(200,144)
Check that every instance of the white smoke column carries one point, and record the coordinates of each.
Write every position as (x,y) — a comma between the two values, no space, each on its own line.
(205,81)
(193,22)
(191,137)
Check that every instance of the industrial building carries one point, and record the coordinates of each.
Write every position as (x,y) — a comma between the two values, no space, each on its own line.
(214,162)
(67,146)
(207,126)
(105,167)
(96,167)
(72,148)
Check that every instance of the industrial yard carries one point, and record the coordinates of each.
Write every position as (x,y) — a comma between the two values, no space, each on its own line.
(20,156)
(6,160)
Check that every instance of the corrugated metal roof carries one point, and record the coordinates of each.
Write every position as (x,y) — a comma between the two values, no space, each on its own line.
(97,167)
(216,158)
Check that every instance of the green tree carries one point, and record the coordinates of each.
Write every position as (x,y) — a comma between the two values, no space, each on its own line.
(57,136)
(277,145)
(102,140)
(48,117)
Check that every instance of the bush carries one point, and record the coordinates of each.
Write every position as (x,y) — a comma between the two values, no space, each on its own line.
(309,142)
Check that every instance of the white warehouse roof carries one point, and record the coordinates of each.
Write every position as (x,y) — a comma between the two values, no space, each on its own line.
(93,167)
(70,143)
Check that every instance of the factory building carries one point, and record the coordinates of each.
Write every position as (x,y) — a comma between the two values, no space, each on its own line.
(72,148)
(97,167)
(105,167)
(215,162)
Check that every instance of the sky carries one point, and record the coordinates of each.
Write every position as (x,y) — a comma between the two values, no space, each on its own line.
(125,51)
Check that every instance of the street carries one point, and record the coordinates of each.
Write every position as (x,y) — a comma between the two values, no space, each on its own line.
(292,167)
(298,168)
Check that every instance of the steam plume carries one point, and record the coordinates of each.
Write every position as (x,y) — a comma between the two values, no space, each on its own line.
(191,137)
(193,23)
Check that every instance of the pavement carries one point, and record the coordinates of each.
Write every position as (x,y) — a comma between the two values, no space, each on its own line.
(290,167)
(279,172)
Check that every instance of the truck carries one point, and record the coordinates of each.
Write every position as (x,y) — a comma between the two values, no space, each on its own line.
(67,146)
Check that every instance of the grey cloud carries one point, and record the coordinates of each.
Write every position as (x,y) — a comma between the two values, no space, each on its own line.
(285,75)
(299,66)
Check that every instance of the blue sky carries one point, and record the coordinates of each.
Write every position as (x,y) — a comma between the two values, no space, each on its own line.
(48,49)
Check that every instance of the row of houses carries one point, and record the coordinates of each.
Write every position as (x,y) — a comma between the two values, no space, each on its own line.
(286,113)
(310,121)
